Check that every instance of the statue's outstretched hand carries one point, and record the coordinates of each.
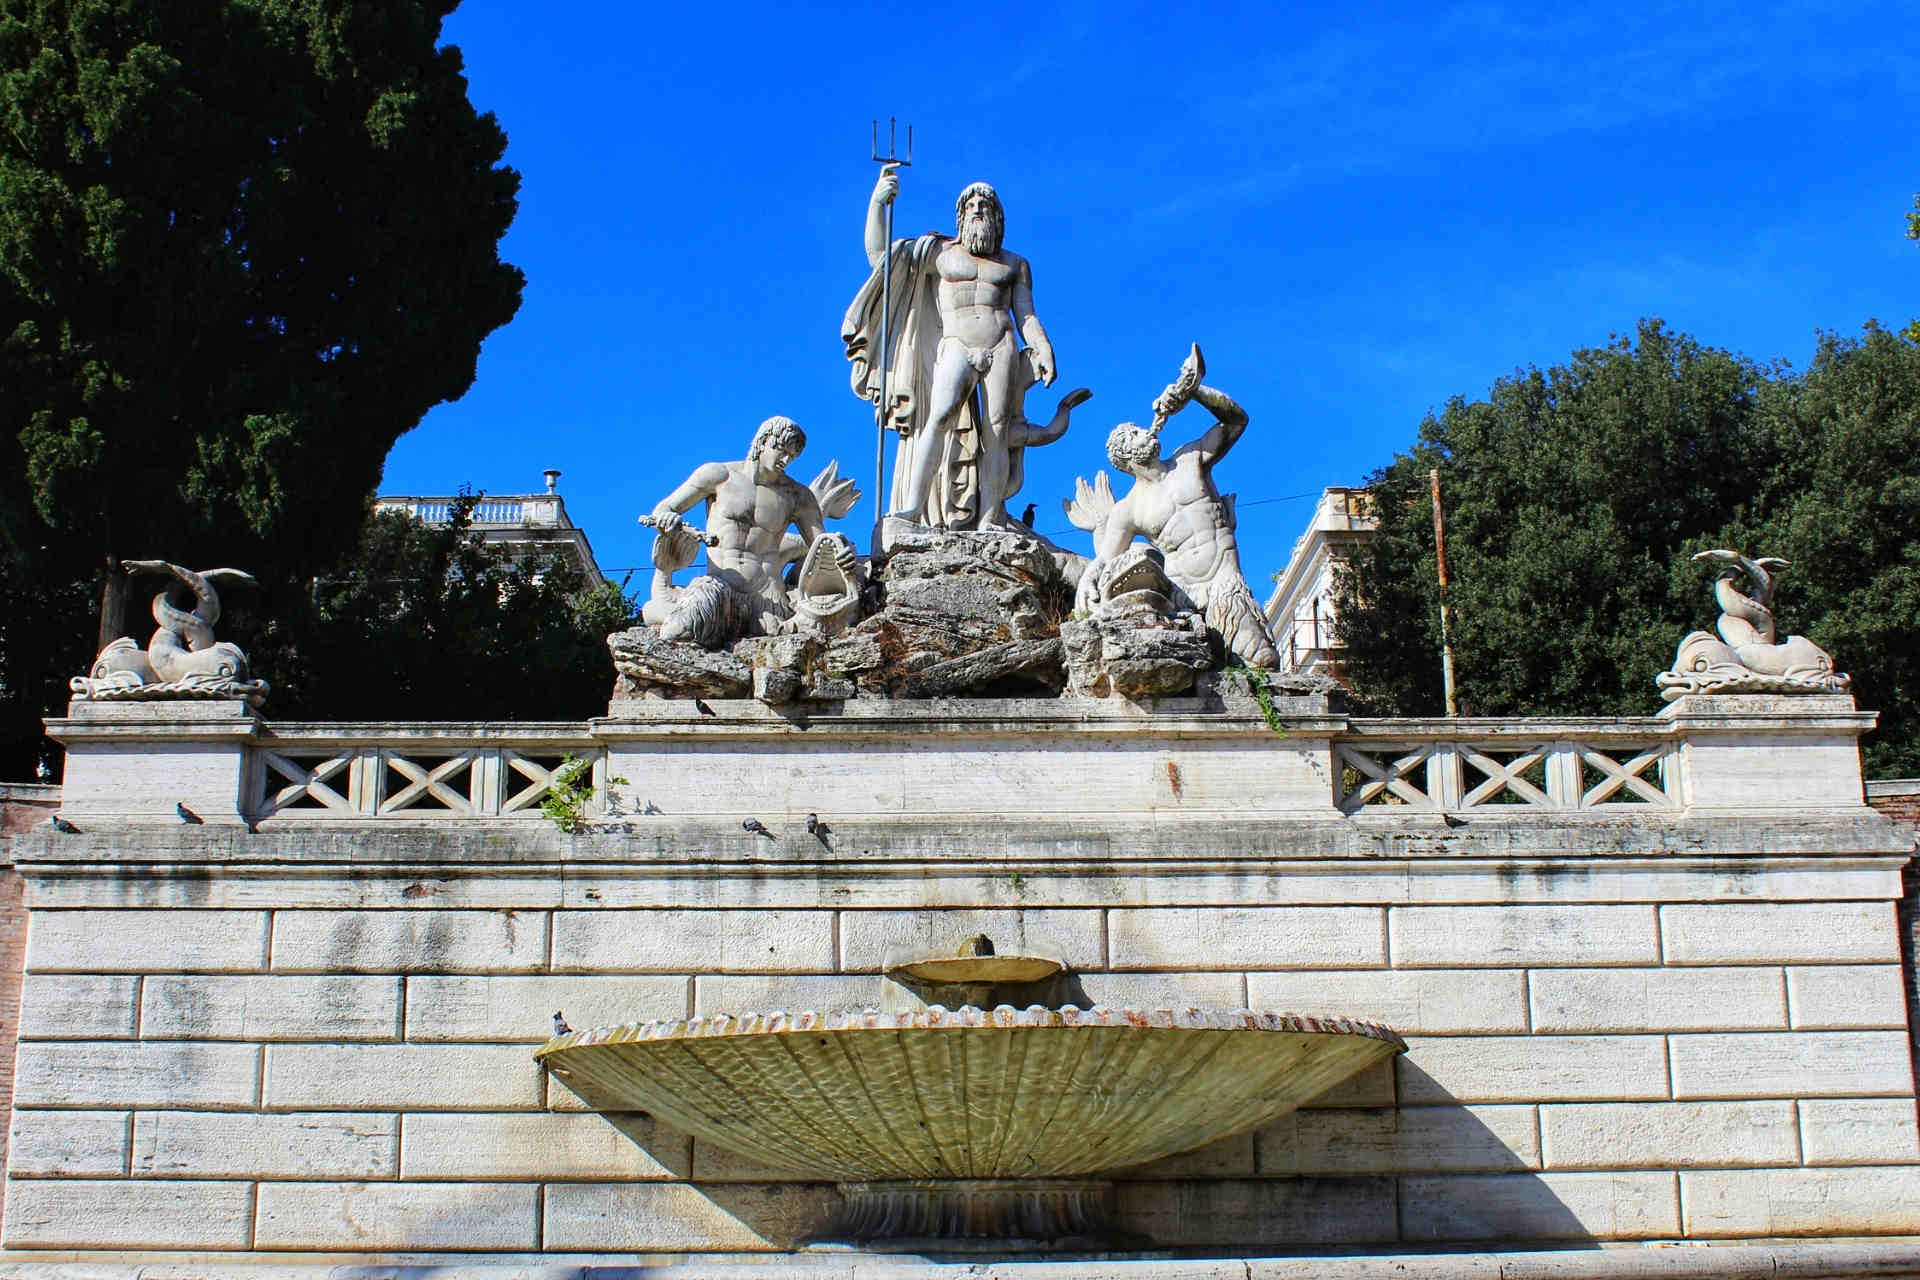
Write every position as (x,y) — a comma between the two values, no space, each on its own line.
(888,186)
(1043,366)
(665,522)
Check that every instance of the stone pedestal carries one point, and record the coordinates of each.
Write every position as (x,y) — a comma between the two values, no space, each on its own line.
(1769,751)
(137,761)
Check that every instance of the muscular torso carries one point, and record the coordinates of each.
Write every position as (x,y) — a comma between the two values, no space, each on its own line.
(749,519)
(975,294)
(1183,516)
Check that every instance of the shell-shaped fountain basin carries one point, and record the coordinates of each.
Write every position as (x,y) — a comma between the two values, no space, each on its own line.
(966,1093)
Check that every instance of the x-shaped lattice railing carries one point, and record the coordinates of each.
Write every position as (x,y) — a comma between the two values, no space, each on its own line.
(307,782)
(423,782)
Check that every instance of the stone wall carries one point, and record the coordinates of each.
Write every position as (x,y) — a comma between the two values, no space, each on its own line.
(1664,1023)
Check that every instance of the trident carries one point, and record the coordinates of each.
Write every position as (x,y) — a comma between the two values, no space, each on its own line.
(880,505)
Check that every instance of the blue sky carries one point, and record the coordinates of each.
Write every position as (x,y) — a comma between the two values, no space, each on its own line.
(1359,211)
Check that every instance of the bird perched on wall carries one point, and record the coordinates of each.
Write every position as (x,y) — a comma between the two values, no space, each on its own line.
(61,825)
(754,825)
(187,815)
(560,1026)
(703,708)
(1026,517)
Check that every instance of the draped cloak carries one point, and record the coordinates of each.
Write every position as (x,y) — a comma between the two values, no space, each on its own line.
(914,337)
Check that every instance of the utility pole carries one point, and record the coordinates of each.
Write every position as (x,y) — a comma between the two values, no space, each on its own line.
(1440,557)
(880,502)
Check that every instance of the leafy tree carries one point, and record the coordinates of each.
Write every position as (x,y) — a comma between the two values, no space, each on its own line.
(244,245)
(1570,494)
(1842,502)
(1576,497)
(428,622)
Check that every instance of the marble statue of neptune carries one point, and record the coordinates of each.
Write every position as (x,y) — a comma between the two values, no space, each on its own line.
(960,309)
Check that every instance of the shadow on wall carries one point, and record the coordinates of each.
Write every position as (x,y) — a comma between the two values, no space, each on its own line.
(1352,1168)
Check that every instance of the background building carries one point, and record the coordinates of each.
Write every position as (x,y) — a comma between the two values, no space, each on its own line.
(1300,610)
(524,523)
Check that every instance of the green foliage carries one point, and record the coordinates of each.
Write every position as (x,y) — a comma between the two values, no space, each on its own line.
(1570,494)
(566,800)
(1259,684)
(1574,498)
(426,622)
(244,245)
(1843,504)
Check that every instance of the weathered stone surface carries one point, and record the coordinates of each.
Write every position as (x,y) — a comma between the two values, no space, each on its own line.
(375,1215)
(1412,1002)
(1844,1131)
(1682,1135)
(966,614)
(870,940)
(271,1008)
(146,941)
(1657,1000)
(1037,661)
(108,1073)
(1831,1064)
(1545,1206)
(118,1214)
(542,1147)
(1494,937)
(68,1144)
(198,1144)
(494,1009)
(1833,997)
(424,1077)
(1532,1068)
(1419,1140)
(1247,938)
(649,667)
(409,941)
(74,1007)
(1135,647)
(1793,1202)
(1254,1212)
(1762,932)
(662,941)
(668,1216)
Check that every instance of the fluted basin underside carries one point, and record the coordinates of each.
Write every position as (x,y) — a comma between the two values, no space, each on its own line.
(966,1093)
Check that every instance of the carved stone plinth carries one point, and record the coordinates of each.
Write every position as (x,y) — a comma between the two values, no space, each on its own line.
(966,614)
(976,1213)
(650,667)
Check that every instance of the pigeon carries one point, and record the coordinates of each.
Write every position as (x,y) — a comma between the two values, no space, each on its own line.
(187,815)
(560,1026)
(1026,517)
(754,825)
(1452,821)
(61,825)
(651,810)
(703,708)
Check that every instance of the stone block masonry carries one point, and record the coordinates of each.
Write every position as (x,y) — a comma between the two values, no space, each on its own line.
(316,1039)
